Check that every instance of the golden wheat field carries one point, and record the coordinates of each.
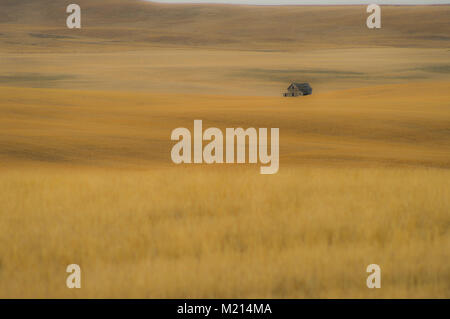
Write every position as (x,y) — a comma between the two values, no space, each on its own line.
(305,232)
(86,175)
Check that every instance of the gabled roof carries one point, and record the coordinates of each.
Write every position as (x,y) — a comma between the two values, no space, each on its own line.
(301,86)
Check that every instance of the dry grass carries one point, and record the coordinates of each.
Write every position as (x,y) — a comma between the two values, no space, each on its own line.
(306,232)
(86,176)
(376,125)
(237,50)
(121,25)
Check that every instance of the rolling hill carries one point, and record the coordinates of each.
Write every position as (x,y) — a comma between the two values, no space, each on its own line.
(119,24)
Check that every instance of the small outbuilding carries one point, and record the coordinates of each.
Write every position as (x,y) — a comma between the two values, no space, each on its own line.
(298,89)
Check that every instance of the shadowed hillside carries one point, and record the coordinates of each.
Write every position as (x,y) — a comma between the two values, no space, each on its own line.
(117,24)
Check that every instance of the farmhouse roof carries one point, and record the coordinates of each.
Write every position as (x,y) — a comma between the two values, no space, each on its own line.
(302,85)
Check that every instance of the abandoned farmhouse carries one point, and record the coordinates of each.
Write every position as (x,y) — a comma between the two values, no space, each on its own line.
(298,89)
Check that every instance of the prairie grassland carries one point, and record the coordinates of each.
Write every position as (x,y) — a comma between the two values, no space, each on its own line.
(134,45)
(224,72)
(124,25)
(86,176)
(376,125)
(306,232)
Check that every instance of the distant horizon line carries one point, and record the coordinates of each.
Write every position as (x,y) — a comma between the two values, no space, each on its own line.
(220,2)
